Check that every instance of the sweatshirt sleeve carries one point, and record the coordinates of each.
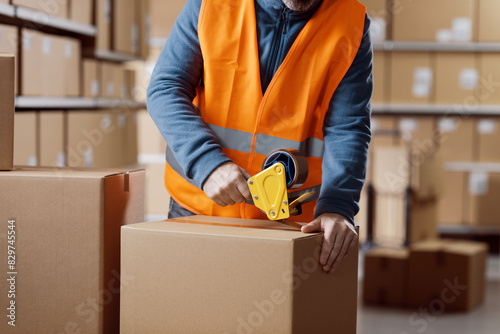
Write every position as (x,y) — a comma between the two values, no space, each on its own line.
(347,136)
(177,73)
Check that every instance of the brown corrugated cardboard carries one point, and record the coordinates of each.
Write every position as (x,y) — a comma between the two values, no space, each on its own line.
(411,77)
(457,78)
(445,20)
(113,83)
(157,197)
(457,139)
(257,276)
(9,44)
(446,275)
(103,15)
(163,15)
(144,23)
(483,192)
(453,200)
(25,139)
(386,277)
(91,82)
(421,131)
(81,11)
(6,111)
(125,35)
(72,69)
(381,19)
(488,132)
(67,247)
(489,25)
(57,8)
(94,139)
(129,136)
(51,139)
(31,69)
(489,82)
(129,79)
(150,139)
(380,86)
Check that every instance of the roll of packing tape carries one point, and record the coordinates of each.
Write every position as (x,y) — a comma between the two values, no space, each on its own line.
(295,163)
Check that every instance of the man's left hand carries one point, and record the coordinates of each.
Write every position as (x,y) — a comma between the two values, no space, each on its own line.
(338,240)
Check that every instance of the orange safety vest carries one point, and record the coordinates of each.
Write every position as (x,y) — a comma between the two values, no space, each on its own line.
(291,113)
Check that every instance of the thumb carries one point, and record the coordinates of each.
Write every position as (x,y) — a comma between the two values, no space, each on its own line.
(245,173)
(313,226)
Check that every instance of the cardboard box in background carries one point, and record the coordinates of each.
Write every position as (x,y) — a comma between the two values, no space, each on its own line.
(7,68)
(265,278)
(488,134)
(72,67)
(457,77)
(103,15)
(453,201)
(163,15)
(51,140)
(129,141)
(68,246)
(380,85)
(381,19)
(458,140)
(125,36)
(411,77)
(483,192)
(31,63)
(421,131)
(361,219)
(489,25)
(489,91)
(385,279)
(112,77)
(143,10)
(445,20)
(57,8)
(91,83)
(9,43)
(157,197)
(25,139)
(129,83)
(81,11)
(436,266)
(150,142)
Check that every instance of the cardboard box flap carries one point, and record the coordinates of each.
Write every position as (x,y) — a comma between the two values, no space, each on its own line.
(69,172)
(220,226)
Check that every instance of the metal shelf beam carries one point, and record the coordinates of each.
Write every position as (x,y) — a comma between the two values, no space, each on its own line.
(434,109)
(47,103)
(435,46)
(7,10)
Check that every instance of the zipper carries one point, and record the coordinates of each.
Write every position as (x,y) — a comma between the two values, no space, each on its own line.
(277,44)
(283,17)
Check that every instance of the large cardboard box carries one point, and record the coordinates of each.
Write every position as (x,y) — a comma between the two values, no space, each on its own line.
(483,193)
(386,277)
(457,139)
(489,82)
(66,227)
(103,15)
(430,20)
(7,111)
(9,43)
(380,84)
(488,132)
(258,276)
(81,11)
(381,19)
(91,78)
(25,139)
(51,139)
(143,11)
(489,25)
(125,35)
(454,201)
(57,8)
(163,15)
(411,78)
(457,78)
(447,275)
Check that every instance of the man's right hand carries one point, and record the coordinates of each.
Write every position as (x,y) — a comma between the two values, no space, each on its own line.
(227,185)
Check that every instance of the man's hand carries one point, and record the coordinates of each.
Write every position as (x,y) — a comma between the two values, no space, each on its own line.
(227,185)
(338,240)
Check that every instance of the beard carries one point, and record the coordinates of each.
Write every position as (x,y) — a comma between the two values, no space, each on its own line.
(299,5)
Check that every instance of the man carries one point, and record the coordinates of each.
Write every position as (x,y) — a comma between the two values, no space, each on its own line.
(239,78)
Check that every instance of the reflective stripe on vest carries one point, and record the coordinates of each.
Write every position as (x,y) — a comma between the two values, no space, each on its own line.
(291,112)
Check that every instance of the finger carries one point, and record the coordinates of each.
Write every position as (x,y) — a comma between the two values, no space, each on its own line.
(336,251)
(346,252)
(242,187)
(233,193)
(245,174)
(314,226)
(223,198)
(329,239)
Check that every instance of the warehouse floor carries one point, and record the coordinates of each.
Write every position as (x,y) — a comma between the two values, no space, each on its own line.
(484,319)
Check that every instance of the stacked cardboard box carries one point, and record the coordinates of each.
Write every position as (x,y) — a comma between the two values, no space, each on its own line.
(6,111)
(53,8)
(25,139)
(9,44)
(163,15)
(81,11)
(441,275)
(257,276)
(64,238)
(380,16)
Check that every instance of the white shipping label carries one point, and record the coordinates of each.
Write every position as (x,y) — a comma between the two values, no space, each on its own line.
(378,28)
(107,11)
(106,122)
(110,89)
(134,33)
(486,126)
(478,183)
(462,29)
(447,125)
(469,78)
(27,41)
(88,157)
(68,50)
(122,120)
(408,125)
(444,35)
(47,45)
(422,82)
(32,161)
(94,88)
(61,159)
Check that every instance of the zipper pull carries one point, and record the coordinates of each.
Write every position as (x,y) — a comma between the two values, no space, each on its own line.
(284,22)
